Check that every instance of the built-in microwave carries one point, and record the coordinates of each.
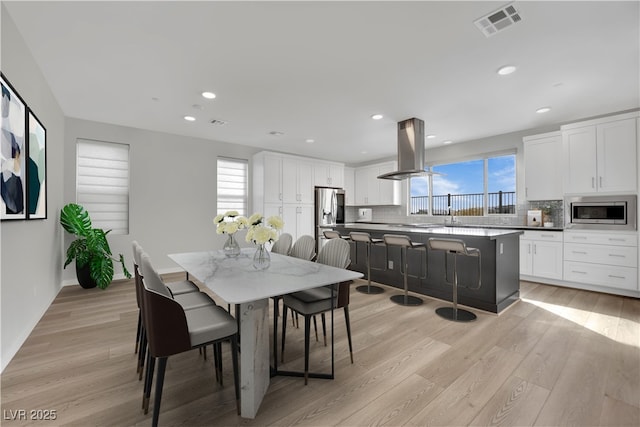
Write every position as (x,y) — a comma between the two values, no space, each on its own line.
(601,212)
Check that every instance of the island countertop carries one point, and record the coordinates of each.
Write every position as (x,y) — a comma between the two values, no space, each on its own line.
(490,233)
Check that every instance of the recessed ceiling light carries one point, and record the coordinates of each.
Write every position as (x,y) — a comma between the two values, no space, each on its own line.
(507,69)
(430,136)
(310,141)
(543,110)
(448,141)
(208,95)
(190,118)
(364,152)
(377,116)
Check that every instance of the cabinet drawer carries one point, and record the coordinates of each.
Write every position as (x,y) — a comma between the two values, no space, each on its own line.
(603,275)
(550,236)
(625,256)
(618,239)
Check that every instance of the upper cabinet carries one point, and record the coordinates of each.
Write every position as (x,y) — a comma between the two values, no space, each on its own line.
(371,191)
(543,166)
(600,155)
(326,174)
(349,186)
(297,180)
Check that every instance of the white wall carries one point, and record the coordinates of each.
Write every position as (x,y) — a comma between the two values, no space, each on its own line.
(173,189)
(30,271)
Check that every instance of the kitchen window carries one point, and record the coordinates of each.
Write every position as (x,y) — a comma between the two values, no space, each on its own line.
(102,183)
(233,181)
(477,187)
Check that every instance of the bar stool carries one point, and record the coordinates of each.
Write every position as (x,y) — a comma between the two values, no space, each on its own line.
(332,234)
(404,242)
(456,247)
(357,236)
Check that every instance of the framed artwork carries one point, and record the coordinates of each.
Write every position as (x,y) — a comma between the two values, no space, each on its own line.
(13,154)
(36,169)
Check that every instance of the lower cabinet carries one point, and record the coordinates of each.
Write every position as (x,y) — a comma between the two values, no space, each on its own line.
(541,254)
(298,220)
(602,259)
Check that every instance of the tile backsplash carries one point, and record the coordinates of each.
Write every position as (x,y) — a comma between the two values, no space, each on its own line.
(397,214)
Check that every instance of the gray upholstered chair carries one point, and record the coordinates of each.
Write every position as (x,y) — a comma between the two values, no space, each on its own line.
(308,303)
(456,247)
(282,246)
(304,248)
(171,330)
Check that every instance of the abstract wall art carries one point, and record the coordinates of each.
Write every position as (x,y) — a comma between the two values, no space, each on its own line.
(36,169)
(13,154)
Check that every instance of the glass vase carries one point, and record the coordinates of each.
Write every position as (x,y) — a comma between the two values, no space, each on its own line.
(231,247)
(262,258)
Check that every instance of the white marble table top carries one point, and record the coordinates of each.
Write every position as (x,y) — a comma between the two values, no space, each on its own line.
(236,281)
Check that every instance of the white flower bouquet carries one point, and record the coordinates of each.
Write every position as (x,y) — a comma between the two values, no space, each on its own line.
(230,222)
(261,231)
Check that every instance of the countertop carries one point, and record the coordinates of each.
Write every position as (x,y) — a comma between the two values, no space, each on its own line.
(432,229)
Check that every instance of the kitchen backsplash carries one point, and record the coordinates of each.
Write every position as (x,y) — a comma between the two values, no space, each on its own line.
(396,214)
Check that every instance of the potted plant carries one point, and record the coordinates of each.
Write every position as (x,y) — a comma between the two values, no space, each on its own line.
(94,261)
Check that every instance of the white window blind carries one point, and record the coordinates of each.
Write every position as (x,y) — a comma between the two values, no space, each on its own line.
(102,183)
(232,185)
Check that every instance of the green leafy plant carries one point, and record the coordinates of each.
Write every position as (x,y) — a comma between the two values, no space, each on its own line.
(90,247)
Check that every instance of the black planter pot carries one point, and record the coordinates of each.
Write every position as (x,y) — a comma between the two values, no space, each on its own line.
(84,277)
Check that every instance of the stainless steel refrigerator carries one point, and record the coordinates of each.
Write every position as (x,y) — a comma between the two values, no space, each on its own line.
(329,211)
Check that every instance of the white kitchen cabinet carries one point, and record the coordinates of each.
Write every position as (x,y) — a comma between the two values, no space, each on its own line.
(541,254)
(371,191)
(607,259)
(349,187)
(326,174)
(543,166)
(298,220)
(297,180)
(600,155)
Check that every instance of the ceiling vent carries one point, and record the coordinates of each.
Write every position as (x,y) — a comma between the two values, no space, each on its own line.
(497,21)
(218,122)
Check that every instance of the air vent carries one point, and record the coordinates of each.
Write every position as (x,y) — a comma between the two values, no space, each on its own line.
(498,20)
(218,122)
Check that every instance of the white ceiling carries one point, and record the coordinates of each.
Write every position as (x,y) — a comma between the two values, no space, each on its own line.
(321,69)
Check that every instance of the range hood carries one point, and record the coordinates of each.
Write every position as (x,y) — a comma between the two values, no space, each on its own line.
(410,151)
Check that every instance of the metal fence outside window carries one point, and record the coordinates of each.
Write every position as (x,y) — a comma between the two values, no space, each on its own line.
(501,202)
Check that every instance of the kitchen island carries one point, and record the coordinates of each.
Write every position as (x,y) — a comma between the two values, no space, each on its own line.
(500,263)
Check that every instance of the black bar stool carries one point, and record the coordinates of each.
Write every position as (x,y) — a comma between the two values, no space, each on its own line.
(404,242)
(358,236)
(456,247)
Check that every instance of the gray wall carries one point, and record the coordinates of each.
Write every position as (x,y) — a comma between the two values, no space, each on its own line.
(30,274)
(172,189)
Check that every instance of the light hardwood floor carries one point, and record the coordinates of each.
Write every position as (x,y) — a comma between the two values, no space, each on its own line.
(558,357)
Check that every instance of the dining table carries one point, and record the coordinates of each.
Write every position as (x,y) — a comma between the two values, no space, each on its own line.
(237,281)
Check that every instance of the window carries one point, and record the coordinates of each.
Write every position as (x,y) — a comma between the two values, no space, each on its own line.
(102,183)
(232,185)
(471,188)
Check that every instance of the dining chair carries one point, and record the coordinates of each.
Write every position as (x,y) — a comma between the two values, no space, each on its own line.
(176,287)
(172,330)
(282,246)
(308,303)
(304,248)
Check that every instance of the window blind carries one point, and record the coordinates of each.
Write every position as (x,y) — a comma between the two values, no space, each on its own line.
(232,185)
(102,183)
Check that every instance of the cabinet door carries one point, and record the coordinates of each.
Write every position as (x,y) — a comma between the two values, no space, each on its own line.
(290,219)
(547,259)
(388,190)
(617,156)
(272,179)
(289,181)
(373,186)
(305,182)
(321,175)
(349,187)
(362,186)
(579,149)
(304,221)
(336,176)
(543,168)
(526,256)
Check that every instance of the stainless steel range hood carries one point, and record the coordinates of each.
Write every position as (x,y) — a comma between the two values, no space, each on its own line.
(410,151)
